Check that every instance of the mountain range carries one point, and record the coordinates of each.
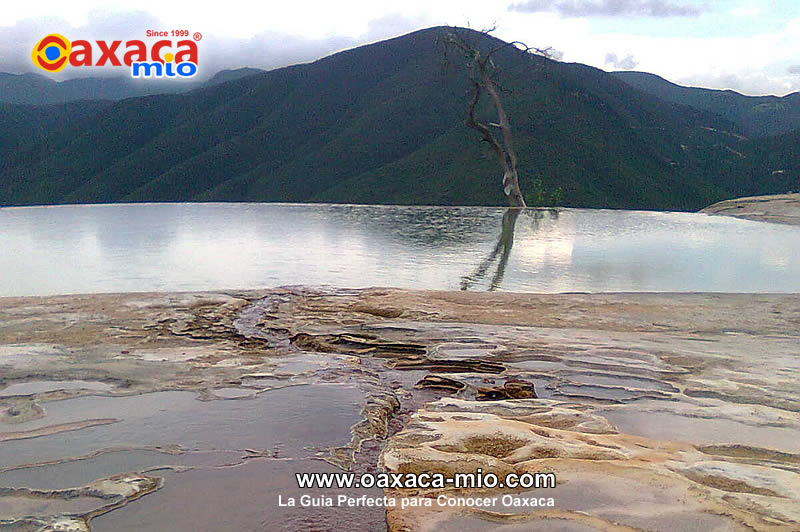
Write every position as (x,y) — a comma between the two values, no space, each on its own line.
(384,123)
(35,89)
(755,115)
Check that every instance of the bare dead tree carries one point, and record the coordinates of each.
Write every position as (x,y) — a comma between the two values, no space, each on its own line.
(483,73)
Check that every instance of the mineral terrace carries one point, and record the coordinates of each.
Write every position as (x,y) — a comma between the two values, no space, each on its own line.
(778,208)
(193,411)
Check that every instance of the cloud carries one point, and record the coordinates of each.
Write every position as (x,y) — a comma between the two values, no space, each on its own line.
(267,50)
(755,83)
(17,41)
(626,63)
(746,11)
(752,62)
(611,8)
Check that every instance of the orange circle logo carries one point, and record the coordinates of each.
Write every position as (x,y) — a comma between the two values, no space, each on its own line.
(51,53)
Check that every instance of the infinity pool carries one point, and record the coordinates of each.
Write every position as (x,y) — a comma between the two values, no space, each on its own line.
(170,247)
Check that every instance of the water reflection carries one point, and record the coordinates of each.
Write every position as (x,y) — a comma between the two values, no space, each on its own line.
(152,247)
(502,249)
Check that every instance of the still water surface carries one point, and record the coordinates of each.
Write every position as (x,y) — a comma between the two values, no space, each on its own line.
(166,247)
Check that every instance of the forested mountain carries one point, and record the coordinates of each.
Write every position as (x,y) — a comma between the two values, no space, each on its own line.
(231,74)
(384,123)
(35,89)
(755,115)
(22,125)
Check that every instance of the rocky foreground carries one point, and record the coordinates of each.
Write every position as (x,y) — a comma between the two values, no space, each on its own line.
(779,208)
(193,411)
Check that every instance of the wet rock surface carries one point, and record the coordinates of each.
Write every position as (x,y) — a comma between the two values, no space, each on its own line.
(654,411)
(779,208)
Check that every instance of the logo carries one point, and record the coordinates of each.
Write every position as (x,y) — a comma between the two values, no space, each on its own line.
(156,69)
(162,59)
(51,53)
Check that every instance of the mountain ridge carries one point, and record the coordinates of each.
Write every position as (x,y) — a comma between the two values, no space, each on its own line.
(759,116)
(382,124)
(36,89)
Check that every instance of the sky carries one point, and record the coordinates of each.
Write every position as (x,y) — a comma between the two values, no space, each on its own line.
(751,46)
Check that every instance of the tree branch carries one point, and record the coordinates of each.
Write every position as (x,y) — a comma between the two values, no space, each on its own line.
(478,126)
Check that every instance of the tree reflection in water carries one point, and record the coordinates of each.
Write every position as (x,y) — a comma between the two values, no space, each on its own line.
(502,249)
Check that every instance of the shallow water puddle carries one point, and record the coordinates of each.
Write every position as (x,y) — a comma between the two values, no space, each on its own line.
(626,381)
(602,393)
(239,455)
(297,417)
(19,507)
(234,393)
(34,387)
(674,427)
(463,350)
(303,364)
(75,473)
(241,498)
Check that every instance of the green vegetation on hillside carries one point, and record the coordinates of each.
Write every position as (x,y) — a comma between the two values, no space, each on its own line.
(24,125)
(383,124)
(755,115)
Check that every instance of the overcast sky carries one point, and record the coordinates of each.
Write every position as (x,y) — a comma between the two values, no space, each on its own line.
(747,45)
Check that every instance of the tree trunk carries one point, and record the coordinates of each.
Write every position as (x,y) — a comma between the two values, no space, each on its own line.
(509,156)
(511,189)
(506,155)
